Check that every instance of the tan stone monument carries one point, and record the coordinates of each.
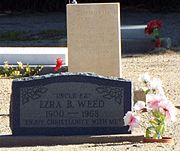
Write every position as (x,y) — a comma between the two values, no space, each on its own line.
(94,38)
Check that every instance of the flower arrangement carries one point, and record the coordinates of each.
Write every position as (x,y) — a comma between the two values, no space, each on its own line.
(154,113)
(153,28)
(19,71)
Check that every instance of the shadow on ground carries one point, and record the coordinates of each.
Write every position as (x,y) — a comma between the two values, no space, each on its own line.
(19,141)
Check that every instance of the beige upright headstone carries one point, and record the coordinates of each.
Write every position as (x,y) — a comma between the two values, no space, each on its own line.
(94,38)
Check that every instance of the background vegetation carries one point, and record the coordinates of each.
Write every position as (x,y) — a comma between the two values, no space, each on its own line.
(32,5)
(59,5)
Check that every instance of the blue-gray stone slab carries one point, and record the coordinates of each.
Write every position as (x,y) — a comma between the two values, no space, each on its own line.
(70,104)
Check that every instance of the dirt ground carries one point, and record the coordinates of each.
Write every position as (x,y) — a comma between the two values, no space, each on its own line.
(165,66)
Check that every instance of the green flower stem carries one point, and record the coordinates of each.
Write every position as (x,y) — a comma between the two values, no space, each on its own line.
(156,33)
(157,128)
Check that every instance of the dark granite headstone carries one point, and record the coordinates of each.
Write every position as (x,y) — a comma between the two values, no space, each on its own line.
(70,104)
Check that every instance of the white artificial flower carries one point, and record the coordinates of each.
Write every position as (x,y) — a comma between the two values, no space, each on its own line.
(161,91)
(144,78)
(139,105)
(155,84)
(149,97)
(20,64)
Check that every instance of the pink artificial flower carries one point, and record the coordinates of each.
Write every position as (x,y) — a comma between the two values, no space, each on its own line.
(131,120)
(154,101)
(168,109)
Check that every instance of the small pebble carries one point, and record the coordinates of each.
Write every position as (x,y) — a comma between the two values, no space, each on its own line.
(162,146)
(137,145)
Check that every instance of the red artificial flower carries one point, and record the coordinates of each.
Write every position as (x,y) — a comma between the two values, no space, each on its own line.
(59,63)
(152,25)
(158,43)
(147,31)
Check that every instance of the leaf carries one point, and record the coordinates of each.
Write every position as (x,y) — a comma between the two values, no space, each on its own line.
(156,33)
(146,91)
(155,136)
(153,123)
(161,129)
(149,131)
(36,70)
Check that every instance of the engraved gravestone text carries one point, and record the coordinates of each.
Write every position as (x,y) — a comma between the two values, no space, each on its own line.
(71,104)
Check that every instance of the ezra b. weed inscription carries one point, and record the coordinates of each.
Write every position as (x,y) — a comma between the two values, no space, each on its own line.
(71,102)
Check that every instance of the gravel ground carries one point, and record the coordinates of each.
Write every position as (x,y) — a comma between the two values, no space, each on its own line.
(165,66)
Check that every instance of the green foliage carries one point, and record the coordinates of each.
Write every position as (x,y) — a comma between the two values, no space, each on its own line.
(156,33)
(13,36)
(146,91)
(27,36)
(149,131)
(33,5)
(157,125)
(19,71)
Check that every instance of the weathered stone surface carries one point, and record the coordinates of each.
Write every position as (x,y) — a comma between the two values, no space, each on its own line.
(5,95)
(69,104)
(94,39)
